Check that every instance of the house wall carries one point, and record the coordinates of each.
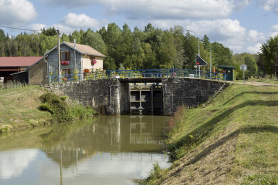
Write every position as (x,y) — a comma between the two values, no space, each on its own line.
(82,62)
(87,63)
(99,64)
(53,61)
(37,74)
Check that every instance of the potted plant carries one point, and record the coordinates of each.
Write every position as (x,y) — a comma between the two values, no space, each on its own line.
(94,61)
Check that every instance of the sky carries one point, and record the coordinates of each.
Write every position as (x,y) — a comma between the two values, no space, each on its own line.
(241,25)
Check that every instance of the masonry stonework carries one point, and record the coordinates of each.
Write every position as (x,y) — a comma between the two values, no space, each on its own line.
(100,94)
(187,91)
(110,96)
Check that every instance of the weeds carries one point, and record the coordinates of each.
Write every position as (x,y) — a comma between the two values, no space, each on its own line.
(12,85)
(61,111)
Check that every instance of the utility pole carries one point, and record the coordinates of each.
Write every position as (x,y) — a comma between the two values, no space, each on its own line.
(74,54)
(59,64)
(210,62)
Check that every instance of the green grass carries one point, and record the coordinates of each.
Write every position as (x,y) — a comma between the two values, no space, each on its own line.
(19,107)
(238,130)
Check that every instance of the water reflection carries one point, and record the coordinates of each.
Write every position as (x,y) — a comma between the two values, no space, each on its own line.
(108,151)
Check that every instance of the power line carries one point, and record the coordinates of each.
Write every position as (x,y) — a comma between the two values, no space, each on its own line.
(18,28)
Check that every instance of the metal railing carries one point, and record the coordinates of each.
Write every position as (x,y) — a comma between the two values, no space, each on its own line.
(140,73)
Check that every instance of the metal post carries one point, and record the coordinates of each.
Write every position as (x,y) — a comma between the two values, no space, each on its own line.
(210,63)
(243,78)
(59,65)
(74,54)
(199,55)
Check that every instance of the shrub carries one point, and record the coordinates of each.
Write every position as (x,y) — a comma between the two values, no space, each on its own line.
(61,111)
(58,108)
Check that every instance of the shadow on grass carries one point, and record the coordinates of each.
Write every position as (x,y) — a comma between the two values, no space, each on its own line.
(250,92)
(210,148)
(204,131)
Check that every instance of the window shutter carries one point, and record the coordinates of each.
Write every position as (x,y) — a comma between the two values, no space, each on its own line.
(68,55)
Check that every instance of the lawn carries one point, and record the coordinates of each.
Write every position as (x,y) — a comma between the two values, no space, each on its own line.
(232,141)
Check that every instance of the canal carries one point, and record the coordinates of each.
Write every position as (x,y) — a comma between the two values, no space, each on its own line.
(106,150)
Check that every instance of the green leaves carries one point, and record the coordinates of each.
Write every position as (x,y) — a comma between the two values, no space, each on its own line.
(268,55)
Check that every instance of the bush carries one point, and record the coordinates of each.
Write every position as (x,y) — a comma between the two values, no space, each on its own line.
(60,110)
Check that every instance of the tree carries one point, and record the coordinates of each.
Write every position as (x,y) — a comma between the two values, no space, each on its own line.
(77,36)
(267,56)
(2,43)
(251,67)
(49,32)
(65,38)
(206,42)
(94,40)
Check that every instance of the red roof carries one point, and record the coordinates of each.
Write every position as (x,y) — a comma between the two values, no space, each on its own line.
(18,61)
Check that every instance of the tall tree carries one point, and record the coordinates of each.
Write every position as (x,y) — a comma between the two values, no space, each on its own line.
(94,40)
(267,56)
(251,66)
(2,43)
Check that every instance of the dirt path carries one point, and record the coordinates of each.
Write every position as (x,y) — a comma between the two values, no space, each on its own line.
(257,83)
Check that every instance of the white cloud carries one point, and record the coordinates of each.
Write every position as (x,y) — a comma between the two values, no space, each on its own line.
(163,9)
(254,36)
(16,12)
(36,26)
(80,21)
(254,49)
(269,5)
(226,31)
(274,30)
(63,28)
(13,163)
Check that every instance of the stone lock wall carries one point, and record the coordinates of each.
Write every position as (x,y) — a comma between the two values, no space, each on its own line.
(101,94)
(110,96)
(187,91)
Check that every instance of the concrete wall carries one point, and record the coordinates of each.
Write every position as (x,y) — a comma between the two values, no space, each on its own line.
(187,91)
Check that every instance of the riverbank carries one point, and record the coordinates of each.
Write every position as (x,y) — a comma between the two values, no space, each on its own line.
(231,141)
(19,109)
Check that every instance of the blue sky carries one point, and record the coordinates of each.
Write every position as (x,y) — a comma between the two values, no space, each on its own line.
(241,25)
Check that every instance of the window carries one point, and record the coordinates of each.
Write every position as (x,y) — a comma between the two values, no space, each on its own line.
(65,56)
(66,73)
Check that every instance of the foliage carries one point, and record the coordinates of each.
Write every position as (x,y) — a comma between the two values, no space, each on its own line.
(151,48)
(268,56)
(61,111)
(58,108)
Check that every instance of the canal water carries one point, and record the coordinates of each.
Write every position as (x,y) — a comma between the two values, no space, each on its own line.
(106,150)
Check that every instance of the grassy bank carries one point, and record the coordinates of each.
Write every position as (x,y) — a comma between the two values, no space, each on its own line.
(19,108)
(232,141)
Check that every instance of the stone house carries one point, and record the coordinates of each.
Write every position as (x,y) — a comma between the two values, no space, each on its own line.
(73,61)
